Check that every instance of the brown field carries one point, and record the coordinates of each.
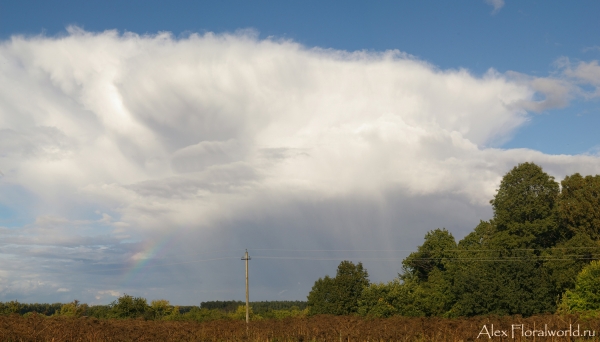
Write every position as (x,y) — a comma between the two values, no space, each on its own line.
(318,328)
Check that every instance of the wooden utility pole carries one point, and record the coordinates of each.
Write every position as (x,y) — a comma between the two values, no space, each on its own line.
(246,258)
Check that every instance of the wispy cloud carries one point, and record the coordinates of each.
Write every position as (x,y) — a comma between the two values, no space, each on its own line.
(584,74)
(570,81)
(496,4)
(552,92)
(591,48)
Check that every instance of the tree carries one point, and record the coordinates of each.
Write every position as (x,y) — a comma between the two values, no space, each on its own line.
(430,255)
(379,300)
(240,314)
(349,281)
(339,295)
(517,263)
(408,297)
(567,259)
(479,239)
(12,307)
(321,298)
(579,205)
(493,282)
(586,295)
(498,272)
(127,306)
(73,309)
(161,308)
(524,208)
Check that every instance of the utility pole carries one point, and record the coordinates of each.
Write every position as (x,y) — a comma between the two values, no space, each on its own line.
(246,258)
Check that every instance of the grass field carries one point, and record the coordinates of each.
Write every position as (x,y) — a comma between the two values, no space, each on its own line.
(318,328)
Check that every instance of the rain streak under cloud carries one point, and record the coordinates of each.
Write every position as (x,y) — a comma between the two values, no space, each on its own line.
(147,164)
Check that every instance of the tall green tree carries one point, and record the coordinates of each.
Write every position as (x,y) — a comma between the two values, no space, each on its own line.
(438,245)
(525,208)
(350,282)
(321,299)
(565,260)
(425,290)
(496,282)
(339,295)
(579,205)
(499,267)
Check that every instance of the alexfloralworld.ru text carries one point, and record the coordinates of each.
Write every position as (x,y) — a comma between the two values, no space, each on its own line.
(490,331)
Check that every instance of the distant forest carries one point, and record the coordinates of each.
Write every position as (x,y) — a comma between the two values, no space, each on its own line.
(257,307)
(128,306)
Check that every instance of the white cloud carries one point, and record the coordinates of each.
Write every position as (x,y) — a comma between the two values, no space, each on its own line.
(497,4)
(556,92)
(570,81)
(110,293)
(582,73)
(128,146)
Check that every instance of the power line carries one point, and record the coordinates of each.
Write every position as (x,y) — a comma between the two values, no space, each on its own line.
(573,256)
(415,250)
(542,258)
(315,258)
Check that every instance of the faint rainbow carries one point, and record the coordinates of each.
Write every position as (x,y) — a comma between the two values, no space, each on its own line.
(153,252)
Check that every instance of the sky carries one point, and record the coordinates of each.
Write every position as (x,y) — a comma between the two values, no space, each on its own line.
(144,146)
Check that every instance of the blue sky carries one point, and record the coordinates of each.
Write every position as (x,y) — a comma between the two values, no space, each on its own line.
(145,145)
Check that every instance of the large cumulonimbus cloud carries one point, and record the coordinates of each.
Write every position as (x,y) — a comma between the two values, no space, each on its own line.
(109,143)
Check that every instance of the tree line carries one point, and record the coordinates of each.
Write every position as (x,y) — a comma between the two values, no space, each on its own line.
(536,255)
(127,306)
(259,308)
